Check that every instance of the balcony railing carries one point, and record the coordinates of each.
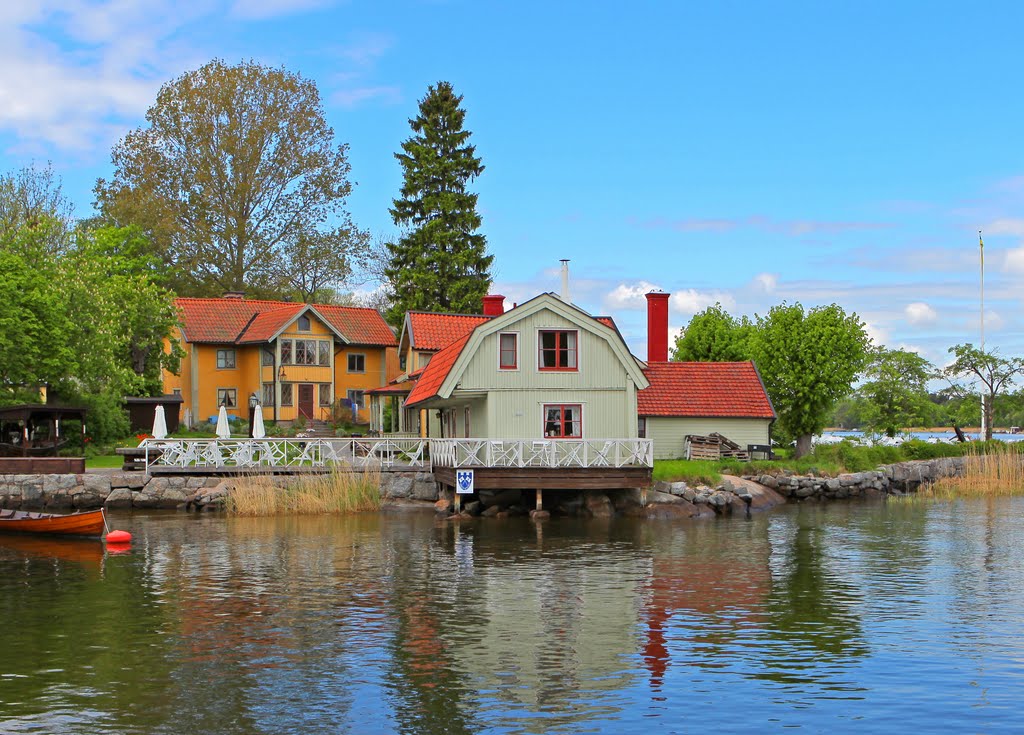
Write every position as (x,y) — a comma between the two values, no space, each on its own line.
(413,453)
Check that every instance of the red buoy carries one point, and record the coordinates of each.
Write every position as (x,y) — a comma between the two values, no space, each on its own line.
(119,537)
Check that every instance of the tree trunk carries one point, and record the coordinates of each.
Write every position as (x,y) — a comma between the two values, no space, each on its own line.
(803,445)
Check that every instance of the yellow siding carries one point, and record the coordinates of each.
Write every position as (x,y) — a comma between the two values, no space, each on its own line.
(668,432)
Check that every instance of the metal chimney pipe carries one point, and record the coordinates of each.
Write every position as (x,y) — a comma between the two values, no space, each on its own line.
(565,280)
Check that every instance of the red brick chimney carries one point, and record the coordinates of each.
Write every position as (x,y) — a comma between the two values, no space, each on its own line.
(657,326)
(494,305)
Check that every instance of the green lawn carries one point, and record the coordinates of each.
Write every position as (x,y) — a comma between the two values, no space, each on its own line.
(104,461)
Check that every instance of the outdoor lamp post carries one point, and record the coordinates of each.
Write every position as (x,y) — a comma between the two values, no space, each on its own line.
(254,401)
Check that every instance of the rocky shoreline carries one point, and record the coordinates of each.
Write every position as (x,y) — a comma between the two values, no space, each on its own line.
(403,490)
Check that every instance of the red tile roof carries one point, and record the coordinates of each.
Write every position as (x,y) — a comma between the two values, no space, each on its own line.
(231,321)
(268,323)
(436,371)
(704,389)
(361,326)
(394,388)
(437,331)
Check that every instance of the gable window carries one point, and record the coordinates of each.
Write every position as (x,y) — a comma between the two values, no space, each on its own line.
(641,427)
(304,325)
(557,349)
(268,357)
(286,352)
(227,397)
(325,394)
(225,359)
(286,394)
(306,352)
(563,421)
(508,351)
(357,363)
(325,353)
(422,359)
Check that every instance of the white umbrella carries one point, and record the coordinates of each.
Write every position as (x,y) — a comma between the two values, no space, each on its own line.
(159,423)
(223,428)
(258,432)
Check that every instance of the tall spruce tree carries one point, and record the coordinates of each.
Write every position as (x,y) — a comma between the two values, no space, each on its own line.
(440,262)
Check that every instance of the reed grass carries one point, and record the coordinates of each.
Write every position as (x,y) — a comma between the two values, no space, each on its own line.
(332,492)
(997,468)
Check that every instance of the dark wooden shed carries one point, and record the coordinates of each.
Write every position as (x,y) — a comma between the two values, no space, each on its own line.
(142,410)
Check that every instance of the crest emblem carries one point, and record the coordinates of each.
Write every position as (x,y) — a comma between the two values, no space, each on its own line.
(464,480)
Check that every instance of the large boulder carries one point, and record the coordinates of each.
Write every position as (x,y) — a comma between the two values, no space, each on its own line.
(761,497)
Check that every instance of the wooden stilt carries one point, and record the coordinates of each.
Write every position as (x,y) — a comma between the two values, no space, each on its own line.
(643,497)
(540,499)
(458,502)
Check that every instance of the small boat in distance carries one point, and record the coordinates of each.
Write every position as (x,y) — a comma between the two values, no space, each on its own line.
(88,523)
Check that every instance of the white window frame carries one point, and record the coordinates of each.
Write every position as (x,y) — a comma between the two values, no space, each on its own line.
(225,352)
(349,362)
(226,391)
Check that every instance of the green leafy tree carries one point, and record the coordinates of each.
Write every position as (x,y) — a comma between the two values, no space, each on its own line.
(975,371)
(808,361)
(896,391)
(35,321)
(440,262)
(714,335)
(236,171)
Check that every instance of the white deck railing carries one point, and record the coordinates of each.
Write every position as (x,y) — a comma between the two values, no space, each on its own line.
(391,452)
(285,453)
(542,452)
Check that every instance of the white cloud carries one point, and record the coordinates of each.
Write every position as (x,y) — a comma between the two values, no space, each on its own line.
(877,334)
(1014,261)
(1005,226)
(766,282)
(263,9)
(358,95)
(632,296)
(920,314)
(691,301)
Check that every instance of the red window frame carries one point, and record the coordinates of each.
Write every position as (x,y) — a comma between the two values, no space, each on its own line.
(572,354)
(503,352)
(562,422)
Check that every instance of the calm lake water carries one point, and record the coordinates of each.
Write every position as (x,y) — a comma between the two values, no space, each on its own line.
(861,617)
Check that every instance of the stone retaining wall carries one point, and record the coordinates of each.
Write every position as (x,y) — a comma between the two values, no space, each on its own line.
(664,500)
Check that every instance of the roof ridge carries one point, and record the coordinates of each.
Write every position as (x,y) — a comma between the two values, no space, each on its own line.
(450,313)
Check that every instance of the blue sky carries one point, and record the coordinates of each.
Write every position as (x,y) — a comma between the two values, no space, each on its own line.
(747,153)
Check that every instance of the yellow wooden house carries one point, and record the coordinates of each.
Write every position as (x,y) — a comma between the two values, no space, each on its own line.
(313,361)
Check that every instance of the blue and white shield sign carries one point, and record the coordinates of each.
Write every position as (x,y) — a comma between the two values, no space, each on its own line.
(464,482)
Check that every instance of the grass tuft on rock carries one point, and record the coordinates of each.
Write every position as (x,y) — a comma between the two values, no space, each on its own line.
(990,469)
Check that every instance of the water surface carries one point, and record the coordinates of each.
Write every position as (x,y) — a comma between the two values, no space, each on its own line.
(844,617)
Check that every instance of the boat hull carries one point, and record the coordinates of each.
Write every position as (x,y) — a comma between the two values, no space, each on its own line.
(89,523)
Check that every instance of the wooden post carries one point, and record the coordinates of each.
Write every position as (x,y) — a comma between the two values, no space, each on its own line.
(540,499)
(458,501)
(643,497)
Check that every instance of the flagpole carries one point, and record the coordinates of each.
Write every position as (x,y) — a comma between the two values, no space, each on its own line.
(984,413)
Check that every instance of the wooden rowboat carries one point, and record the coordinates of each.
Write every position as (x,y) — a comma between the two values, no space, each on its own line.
(89,523)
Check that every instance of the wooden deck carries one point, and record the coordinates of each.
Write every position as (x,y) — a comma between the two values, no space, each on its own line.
(551,478)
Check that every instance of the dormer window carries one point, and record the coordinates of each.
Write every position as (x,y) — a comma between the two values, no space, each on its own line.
(558,349)
(304,325)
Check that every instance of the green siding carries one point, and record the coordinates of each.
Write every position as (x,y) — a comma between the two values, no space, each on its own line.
(518,414)
(668,433)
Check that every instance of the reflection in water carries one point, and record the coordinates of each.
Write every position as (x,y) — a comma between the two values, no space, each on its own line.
(817,617)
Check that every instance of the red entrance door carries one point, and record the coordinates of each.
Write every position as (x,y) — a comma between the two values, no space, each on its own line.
(306,400)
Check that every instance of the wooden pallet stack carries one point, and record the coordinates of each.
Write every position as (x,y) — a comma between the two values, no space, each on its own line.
(714,446)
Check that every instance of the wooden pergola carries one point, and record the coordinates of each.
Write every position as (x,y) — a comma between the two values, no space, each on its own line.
(18,424)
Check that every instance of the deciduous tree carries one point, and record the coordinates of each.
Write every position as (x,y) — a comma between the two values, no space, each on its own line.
(440,262)
(808,361)
(236,165)
(975,371)
(896,391)
(714,335)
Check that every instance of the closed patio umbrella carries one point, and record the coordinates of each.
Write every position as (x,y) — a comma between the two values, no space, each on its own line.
(223,427)
(159,423)
(258,431)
